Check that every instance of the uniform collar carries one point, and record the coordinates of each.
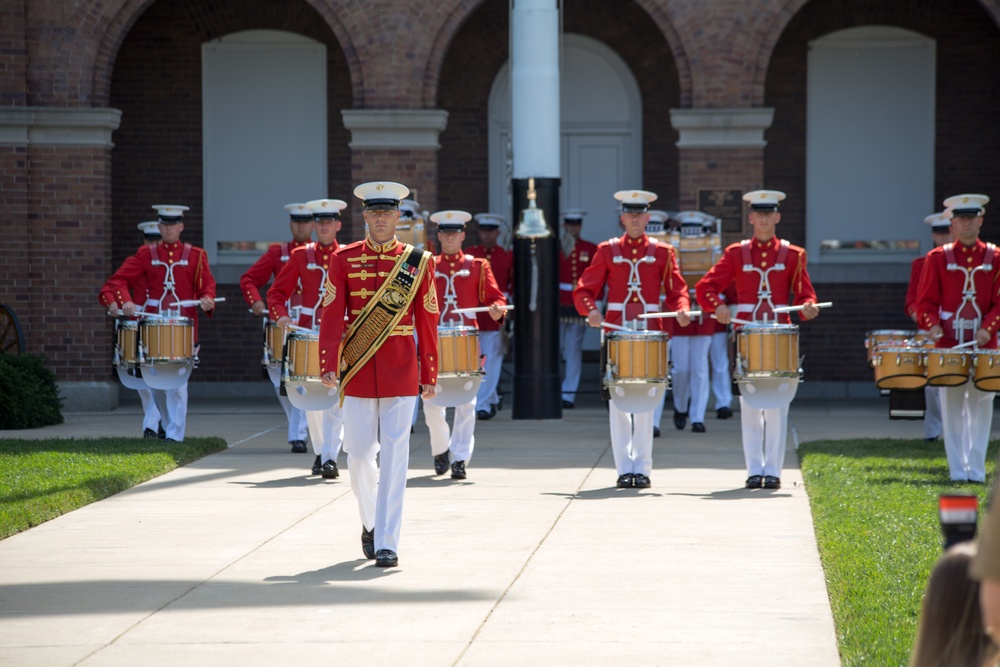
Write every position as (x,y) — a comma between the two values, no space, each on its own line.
(763,245)
(961,247)
(171,246)
(381,247)
(634,243)
(453,258)
(332,246)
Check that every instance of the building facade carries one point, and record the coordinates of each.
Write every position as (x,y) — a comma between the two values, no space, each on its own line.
(867,114)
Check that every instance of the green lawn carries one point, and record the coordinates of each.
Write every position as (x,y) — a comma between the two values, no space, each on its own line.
(874,505)
(41,479)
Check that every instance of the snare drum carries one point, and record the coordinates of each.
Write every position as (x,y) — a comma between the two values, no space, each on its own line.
(127,346)
(899,367)
(947,367)
(459,368)
(889,337)
(458,351)
(767,351)
(274,343)
(987,372)
(637,355)
(301,373)
(167,338)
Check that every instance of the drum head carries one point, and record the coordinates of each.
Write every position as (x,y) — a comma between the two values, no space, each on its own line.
(454,390)
(637,396)
(130,381)
(166,376)
(769,393)
(311,396)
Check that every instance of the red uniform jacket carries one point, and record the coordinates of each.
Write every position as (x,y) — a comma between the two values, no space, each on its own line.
(478,289)
(191,281)
(502,264)
(401,364)
(940,292)
(264,269)
(658,270)
(571,268)
(107,294)
(790,284)
(297,279)
(916,269)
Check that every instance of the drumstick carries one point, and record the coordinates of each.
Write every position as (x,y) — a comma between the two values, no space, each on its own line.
(191,303)
(734,320)
(969,344)
(478,309)
(295,327)
(647,316)
(789,309)
(614,326)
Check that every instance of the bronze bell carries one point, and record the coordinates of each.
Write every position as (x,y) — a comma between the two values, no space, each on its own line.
(532,224)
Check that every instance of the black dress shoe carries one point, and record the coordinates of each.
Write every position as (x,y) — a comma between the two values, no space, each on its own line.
(483,415)
(697,427)
(441,463)
(317,466)
(172,440)
(386,558)
(368,542)
(160,433)
(754,481)
(772,482)
(149,433)
(641,481)
(567,405)
(656,431)
(298,446)
(329,470)
(626,481)
(723,413)
(458,470)
(680,420)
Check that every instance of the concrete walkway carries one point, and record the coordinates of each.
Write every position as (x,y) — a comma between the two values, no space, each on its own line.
(242,559)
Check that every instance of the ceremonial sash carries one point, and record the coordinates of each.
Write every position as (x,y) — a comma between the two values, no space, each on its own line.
(380,316)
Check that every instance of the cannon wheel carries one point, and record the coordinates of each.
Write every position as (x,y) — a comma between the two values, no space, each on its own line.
(11,336)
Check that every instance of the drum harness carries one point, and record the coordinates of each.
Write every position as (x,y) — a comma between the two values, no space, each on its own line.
(634,283)
(298,311)
(450,295)
(764,302)
(961,325)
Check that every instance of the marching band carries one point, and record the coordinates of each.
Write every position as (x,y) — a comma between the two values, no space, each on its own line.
(383,321)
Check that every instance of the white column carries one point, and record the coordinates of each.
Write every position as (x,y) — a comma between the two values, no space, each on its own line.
(534,79)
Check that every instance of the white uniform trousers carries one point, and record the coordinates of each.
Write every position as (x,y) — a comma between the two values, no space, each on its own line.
(379,489)
(297,427)
(151,416)
(462,439)
(932,412)
(631,440)
(491,345)
(658,411)
(571,343)
(690,375)
(764,435)
(966,415)
(326,431)
(722,382)
(173,407)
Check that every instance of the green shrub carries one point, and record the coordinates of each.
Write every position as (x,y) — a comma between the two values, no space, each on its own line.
(29,397)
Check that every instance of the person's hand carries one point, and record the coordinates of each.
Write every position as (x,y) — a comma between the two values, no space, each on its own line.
(284,322)
(809,311)
(496,312)
(935,332)
(683,317)
(207,303)
(329,380)
(722,314)
(129,309)
(113,310)
(983,338)
(258,308)
(427,391)
(594,318)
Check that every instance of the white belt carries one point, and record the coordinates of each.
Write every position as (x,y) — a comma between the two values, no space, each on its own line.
(307,311)
(151,302)
(566,287)
(649,307)
(945,315)
(744,307)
